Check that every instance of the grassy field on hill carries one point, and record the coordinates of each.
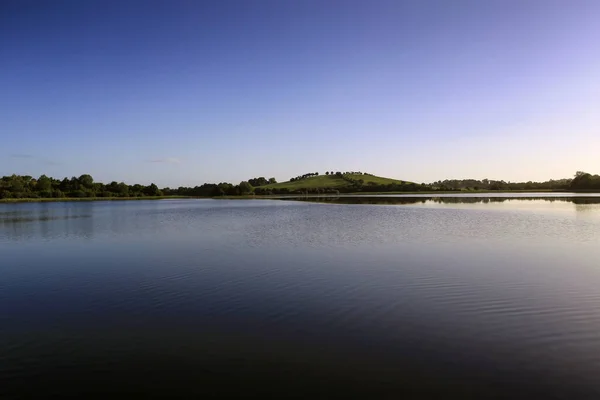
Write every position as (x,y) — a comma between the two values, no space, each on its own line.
(330,181)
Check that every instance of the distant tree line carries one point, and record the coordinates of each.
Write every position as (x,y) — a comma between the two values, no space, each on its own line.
(284,191)
(262,181)
(581,182)
(244,188)
(487,184)
(300,177)
(371,187)
(338,173)
(212,190)
(585,181)
(25,186)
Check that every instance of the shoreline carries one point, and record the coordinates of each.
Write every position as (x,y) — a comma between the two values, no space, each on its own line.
(275,197)
(80,199)
(366,194)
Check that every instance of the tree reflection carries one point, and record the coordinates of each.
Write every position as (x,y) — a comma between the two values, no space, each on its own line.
(390,200)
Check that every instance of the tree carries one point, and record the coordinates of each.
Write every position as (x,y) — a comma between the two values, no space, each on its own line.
(585,181)
(245,188)
(272,180)
(258,181)
(122,190)
(86,181)
(44,184)
(136,190)
(152,190)
(16,186)
(97,187)
(64,185)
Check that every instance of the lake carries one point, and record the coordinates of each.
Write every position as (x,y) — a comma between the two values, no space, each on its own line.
(375,296)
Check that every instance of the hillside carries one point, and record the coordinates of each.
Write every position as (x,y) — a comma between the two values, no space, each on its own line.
(339,182)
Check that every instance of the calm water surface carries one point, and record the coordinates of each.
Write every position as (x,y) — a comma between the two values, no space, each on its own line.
(412,296)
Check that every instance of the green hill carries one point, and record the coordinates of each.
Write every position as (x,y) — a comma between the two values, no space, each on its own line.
(340,182)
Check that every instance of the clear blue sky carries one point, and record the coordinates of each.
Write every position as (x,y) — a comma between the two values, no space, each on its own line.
(186,92)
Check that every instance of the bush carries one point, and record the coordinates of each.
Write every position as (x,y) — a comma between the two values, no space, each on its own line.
(78,193)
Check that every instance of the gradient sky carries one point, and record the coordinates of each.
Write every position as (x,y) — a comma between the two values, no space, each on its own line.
(186,92)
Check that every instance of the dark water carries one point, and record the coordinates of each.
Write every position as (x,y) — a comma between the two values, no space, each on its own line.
(410,297)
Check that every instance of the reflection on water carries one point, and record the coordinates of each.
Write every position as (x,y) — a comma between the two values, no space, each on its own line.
(30,219)
(406,200)
(465,298)
(21,218)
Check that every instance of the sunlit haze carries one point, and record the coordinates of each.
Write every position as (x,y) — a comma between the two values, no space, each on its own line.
(187,92)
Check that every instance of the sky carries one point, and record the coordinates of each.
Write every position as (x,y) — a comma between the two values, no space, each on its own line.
(186,92)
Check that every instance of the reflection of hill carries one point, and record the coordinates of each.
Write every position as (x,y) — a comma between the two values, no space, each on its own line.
(586,200)
(440,200)
(362,200)
(473,200)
